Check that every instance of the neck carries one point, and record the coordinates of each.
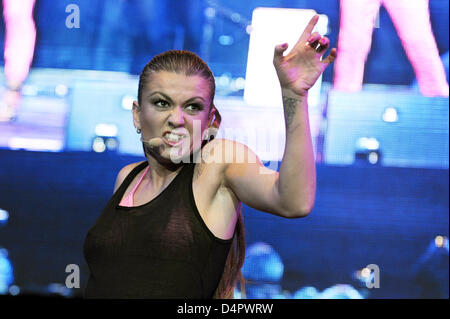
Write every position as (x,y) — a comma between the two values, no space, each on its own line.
(160,171)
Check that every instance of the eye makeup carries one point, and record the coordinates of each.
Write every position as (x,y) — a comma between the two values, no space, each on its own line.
(191,105)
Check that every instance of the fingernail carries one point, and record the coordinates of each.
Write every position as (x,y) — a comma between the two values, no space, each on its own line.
(284,45)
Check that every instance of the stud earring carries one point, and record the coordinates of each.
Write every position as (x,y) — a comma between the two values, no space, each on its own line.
(138,130)
(210,133)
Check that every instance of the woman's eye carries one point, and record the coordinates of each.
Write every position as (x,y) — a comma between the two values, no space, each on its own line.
(161,103)
(194,107)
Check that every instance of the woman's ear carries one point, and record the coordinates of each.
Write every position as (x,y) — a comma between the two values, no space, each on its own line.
(217,119)
(136,110)
(214,123)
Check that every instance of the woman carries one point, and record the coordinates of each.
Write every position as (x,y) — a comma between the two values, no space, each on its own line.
(173,228)
(412,22)
(19,50)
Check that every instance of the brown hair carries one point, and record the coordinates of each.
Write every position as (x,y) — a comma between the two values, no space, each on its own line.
(177,61)
(189,63)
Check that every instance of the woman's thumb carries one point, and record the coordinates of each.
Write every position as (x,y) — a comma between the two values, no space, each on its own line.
(279,50)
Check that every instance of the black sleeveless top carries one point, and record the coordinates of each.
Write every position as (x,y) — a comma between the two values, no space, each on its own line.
(162,249)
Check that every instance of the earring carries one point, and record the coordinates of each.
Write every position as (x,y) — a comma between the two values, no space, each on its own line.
(138,130)
(210,133)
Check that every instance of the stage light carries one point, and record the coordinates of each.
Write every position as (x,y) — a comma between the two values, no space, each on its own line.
(106,139)
(430,271)
(4,216)
(224,80)
(30,90)
(6,272)
(262,264)
(390,115)
(59,289)
(226,40)
(240,83)
(127,102)
(364,275)
(35,144)
(438,241)
(236,17)
(111,143)
(340,291)
(237,84)
(103,129)
(210,12)
(105,142)
(370,143)
(14,290)
(441,241)
(372,158)
(308,292)
(237,294)
(367,150)
(98,145)
(365,272)
(61,90)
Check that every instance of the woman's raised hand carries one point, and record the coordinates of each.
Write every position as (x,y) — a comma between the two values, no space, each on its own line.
(302,66)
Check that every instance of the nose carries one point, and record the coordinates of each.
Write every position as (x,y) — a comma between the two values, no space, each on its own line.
(176,117)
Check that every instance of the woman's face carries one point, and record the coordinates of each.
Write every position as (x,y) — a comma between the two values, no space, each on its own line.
(176,109)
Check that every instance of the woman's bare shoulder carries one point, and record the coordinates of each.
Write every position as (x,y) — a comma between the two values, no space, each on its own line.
(123,173)
(223,150)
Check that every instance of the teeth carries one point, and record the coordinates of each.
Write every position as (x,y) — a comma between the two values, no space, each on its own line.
(173,137)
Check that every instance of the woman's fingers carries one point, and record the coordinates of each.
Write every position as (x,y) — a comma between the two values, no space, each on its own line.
(309,28)
(318,43)
(278,54)
(323,44)
(313,39)
(331,57)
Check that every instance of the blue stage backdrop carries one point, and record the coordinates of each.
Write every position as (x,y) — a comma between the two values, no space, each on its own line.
(363,215)
(394,214)
(120,35)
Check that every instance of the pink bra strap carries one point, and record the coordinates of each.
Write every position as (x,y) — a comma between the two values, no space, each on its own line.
(139,182)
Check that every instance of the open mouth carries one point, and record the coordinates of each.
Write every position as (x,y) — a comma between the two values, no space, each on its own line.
(173,139)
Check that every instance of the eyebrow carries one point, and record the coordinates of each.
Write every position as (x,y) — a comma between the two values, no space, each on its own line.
(170,100)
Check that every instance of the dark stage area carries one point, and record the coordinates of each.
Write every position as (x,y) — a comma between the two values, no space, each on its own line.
(363,215)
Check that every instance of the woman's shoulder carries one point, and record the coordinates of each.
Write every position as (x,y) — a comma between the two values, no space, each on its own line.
(123,173)
(224,150)
(128,168)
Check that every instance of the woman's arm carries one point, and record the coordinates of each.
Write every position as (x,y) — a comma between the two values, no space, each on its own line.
(297,180)
(291,192)
(297,73)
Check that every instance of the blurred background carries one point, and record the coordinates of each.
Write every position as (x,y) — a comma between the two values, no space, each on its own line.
(379,124)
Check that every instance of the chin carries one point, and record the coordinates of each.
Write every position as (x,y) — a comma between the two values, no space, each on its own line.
(177,154)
